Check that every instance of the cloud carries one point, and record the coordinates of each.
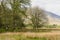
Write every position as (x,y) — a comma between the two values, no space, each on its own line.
(49,5)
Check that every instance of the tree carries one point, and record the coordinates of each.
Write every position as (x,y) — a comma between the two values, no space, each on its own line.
(13,12)
(18,9)
(37,16)
(6,16)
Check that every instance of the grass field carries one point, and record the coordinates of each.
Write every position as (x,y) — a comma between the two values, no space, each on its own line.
(30,36)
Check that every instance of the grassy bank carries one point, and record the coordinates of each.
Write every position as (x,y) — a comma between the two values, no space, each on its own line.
(30,36)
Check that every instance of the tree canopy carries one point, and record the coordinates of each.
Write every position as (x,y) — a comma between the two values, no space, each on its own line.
(11,13)
(37,17)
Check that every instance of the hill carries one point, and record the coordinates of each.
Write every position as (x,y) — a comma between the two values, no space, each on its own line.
(52,18)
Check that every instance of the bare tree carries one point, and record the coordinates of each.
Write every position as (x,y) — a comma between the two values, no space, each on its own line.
(37,17)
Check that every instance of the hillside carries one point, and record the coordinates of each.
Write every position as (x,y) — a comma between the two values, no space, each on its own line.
(52,18)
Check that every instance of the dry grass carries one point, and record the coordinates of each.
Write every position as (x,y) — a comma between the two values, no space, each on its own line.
(25,35)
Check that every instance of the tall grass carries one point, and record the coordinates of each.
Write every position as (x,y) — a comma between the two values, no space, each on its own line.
(20,36)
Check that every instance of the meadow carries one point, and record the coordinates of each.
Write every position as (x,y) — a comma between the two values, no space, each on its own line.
(30,36)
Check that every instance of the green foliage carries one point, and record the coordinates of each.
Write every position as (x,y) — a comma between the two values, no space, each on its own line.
(13,14)
(36,38)
(11,17)
(51,26)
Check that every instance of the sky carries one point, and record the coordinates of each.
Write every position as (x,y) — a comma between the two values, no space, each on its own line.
(49,5)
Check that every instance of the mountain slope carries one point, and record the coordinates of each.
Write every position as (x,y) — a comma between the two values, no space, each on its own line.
(52,14)
(52,18)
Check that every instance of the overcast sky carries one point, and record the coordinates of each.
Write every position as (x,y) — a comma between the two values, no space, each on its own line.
(49,5)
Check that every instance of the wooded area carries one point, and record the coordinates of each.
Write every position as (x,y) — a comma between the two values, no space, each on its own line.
(16,15)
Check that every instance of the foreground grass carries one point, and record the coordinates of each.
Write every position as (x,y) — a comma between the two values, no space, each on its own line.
(19,37)
(30,36)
